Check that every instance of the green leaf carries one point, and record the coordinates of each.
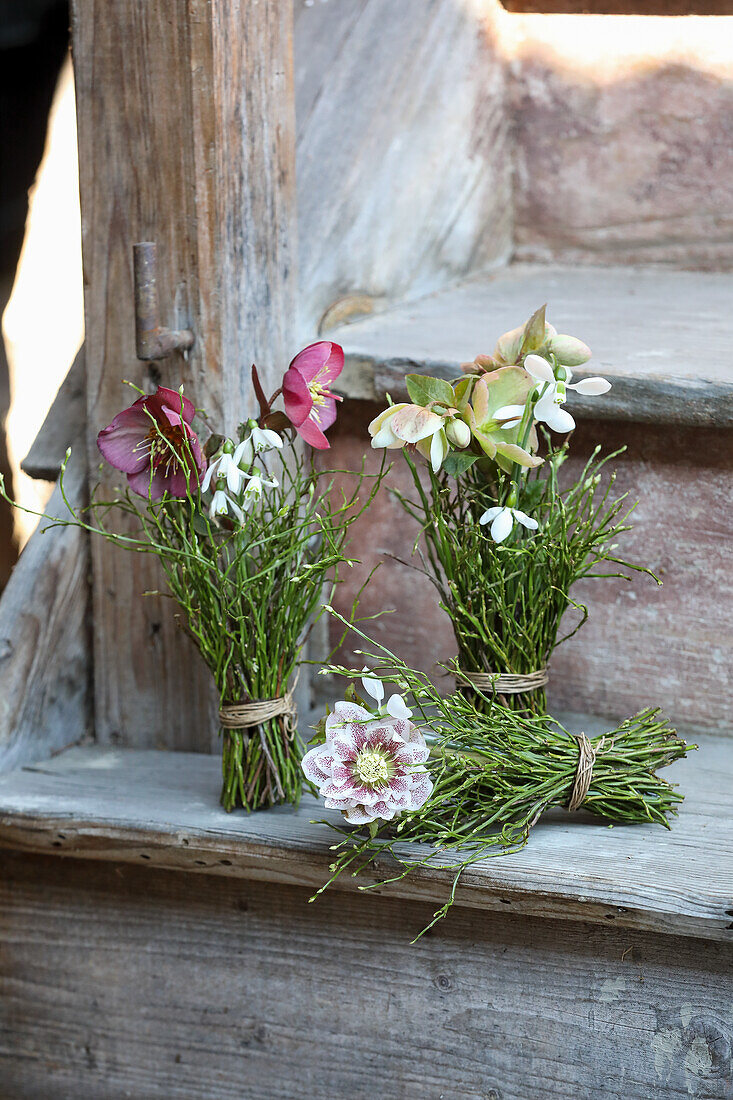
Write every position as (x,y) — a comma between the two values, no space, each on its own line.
(213,443)
(200,526)
(534,331)
(423,390)
(457,462)
(462,392)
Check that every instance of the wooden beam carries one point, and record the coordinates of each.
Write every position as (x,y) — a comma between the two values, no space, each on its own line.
(123,981)
(186,138)
(45,652)
(65,420)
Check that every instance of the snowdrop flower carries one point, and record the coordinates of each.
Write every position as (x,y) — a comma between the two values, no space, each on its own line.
(224,470)
(553,392)
(255,487)
(223,505)
(370,770)
(258,441)
(395,705)
(502,521)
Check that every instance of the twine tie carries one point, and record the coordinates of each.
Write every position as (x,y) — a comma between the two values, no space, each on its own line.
(243,716)
(505,683)
(583,772)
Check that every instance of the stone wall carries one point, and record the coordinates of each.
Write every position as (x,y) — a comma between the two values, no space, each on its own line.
(623,139)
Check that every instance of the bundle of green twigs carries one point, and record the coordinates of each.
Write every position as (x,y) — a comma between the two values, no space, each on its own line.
(506,601)
(496,771)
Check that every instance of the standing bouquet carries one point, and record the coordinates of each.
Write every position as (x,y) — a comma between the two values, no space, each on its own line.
(249,534)
(502,541)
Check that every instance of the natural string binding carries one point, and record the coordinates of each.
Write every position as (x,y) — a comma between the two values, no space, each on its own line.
(504,683)
(243,716)
(584,771)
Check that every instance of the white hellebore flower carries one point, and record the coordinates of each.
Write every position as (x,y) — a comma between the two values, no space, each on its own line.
(255,487)
(553,393)
(502,521)
(370,769)
(258,441)
(405,423)
(222,504)
(224,469)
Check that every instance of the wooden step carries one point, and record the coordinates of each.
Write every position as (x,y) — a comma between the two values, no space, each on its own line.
(161,809)
(663,338)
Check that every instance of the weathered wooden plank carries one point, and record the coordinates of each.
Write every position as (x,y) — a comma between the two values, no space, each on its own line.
(162,809)
(117,981)
(186,138)
(404,160)
(45,648)
(65,421)
(661,337)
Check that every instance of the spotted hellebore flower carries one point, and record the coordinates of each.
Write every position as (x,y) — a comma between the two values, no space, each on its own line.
(309,404)
(153,443)
(553,392)
(502,521)
(369,768)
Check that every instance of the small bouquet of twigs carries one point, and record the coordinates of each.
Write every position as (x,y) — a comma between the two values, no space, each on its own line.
(469,777)
(502,540)
(249,534)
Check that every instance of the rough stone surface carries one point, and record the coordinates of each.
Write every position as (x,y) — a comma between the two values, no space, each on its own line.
(623,140)
(670,646)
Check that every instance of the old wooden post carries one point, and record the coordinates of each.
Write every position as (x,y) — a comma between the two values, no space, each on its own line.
(186,139)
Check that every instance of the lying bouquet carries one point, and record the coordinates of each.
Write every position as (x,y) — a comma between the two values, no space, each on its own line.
(502,541)
(248,533)
(469,777)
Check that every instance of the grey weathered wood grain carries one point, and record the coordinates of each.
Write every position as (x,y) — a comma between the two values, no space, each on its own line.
(162,809)
(663,338)
(403,155)
(186,138)
(65,422)
(119,981)
(45,649)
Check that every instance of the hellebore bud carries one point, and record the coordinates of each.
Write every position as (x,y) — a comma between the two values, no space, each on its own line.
(569,351)
(458,433)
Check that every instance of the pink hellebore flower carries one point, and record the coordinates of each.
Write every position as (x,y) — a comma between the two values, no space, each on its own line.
(369,768)
(153,443)
(309,404)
